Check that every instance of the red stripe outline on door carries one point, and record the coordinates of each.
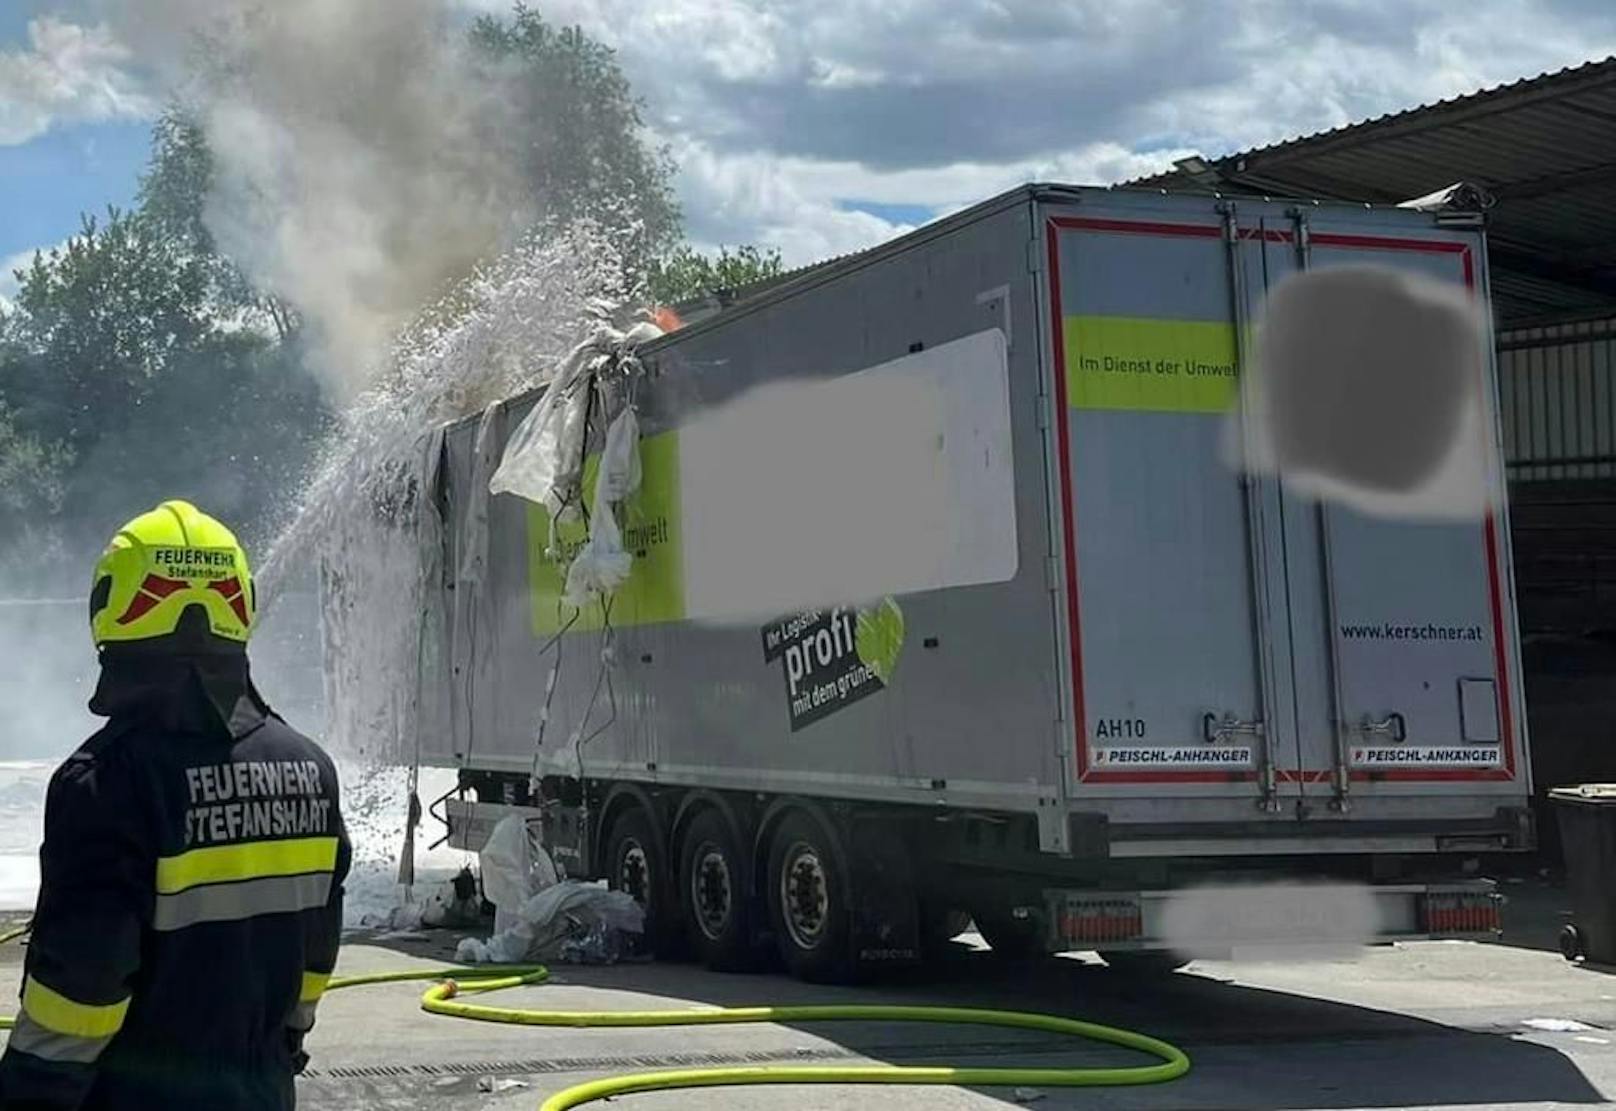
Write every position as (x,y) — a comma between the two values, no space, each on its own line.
(1087,773)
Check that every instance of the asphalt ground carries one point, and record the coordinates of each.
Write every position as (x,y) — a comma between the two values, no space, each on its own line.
(1422,1024)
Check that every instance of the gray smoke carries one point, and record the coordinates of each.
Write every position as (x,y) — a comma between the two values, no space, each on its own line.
(364,161)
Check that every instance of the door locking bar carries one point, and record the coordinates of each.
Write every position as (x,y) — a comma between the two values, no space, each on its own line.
(1219,730)
(1256,537)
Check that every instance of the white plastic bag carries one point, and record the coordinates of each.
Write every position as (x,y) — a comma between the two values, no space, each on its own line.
(601,565)
(620,461)
(560,913)
(515,867)
(543,458)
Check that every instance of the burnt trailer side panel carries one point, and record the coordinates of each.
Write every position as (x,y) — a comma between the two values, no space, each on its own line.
(970,716)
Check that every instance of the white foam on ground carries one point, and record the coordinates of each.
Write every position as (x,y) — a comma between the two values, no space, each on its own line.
(374,804)
(22,824)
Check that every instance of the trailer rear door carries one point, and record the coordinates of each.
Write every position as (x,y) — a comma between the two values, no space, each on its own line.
(1166,586)
(1230,639)
(1404,637)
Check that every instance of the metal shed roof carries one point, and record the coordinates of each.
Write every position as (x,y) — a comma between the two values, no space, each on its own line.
(1543,147)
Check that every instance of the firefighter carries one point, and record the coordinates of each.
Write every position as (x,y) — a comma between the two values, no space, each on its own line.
(192,870)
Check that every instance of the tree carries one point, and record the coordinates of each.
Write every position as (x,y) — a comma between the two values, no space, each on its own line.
(173,200)
(95,321)
(687,274)
(32,474)
(583,148)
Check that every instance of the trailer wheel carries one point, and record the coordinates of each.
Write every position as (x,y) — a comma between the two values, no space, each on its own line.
(713,897)
(1012,937)
(635,864)
(808,898)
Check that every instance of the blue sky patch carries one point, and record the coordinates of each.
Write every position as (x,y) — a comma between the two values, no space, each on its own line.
(52,179)
(892,213)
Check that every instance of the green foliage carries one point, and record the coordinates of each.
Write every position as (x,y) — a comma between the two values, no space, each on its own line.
(133,370)
(686,274)
(173,201)
(139,363)
(32,475)
(584,150)
(95,321)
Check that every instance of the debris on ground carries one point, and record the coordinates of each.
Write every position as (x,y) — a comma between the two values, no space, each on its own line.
(498,1084)
(452,904)
(1557,1025)
(570,922)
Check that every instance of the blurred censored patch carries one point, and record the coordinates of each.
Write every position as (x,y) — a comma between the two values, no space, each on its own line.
(1312,919)
(804,494)
(1367,387)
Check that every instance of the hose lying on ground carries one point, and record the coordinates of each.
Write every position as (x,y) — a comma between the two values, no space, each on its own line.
(443,999)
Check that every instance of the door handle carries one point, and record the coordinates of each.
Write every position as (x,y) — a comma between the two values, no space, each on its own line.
(1215,729)
(1393,726)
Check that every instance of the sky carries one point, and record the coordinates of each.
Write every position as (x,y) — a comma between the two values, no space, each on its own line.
(824,126)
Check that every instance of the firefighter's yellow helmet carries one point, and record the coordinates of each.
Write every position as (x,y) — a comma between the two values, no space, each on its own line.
(161,564)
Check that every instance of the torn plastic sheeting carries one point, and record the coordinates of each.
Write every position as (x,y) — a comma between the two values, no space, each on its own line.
(540,455)
(544,460)
(568,921)
(601,565)
(515,867)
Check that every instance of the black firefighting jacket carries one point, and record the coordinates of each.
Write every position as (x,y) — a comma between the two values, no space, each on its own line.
(190,902)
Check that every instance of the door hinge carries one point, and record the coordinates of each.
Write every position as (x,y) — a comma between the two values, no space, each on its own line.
(1052,575)
(1035,255)
(1046,412)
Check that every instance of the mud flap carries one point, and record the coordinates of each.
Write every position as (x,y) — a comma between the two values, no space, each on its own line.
(886,911)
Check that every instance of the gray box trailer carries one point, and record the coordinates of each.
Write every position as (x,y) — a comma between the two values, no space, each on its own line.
(1150,689)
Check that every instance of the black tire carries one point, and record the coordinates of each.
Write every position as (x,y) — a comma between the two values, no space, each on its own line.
(1010,937)
(809,899)
(1143,962)
(713,898)
(635,863)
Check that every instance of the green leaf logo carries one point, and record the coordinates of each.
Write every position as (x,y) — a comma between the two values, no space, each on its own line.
(879,638)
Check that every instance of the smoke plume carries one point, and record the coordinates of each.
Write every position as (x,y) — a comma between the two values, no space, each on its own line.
(364,159)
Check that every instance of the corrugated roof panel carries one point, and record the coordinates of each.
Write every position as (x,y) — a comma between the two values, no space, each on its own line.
(1545,146)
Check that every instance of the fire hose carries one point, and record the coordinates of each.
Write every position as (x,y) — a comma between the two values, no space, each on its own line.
(444,997)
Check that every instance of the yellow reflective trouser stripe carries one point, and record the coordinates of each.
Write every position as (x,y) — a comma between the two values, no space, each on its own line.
(313,986)
(61,1015)
(224,863)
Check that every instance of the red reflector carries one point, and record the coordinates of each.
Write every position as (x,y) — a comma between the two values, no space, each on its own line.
(1098,922)
(1465,913)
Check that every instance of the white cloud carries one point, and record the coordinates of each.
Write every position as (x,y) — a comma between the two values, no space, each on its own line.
(781,113)
(68,74)
(8,278)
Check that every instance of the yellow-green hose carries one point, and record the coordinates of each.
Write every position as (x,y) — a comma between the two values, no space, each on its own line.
(442,999)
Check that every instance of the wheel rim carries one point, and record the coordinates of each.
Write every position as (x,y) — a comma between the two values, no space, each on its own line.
(634,873)
(804,895)
(711,892)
